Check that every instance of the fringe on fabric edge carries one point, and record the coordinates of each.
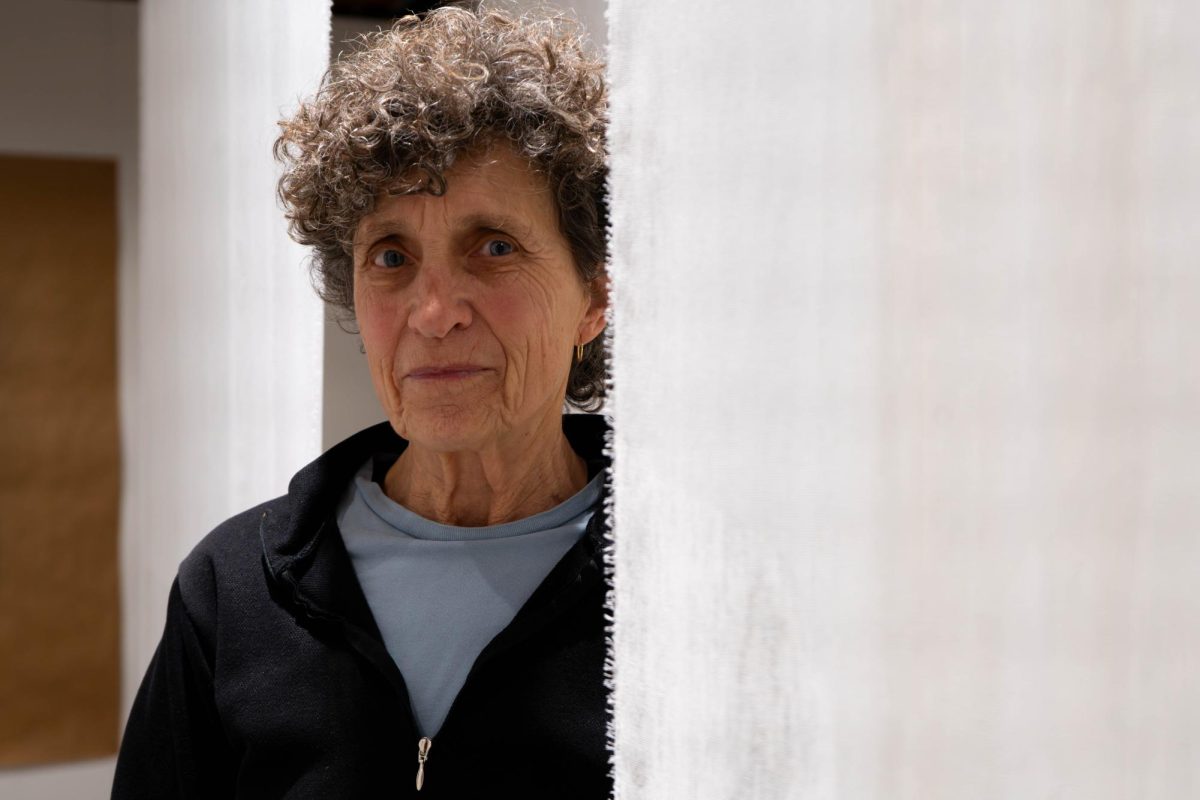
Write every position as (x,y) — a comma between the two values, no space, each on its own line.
(610,559)
(610,541)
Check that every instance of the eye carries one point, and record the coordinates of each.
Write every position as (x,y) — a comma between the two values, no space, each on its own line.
(498,247)
(390,258)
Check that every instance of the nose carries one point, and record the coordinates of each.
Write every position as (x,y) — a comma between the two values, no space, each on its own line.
(438,304)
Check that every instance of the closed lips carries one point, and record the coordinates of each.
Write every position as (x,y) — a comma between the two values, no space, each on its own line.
(447,371)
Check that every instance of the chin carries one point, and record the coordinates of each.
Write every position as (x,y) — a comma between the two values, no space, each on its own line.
(446,428)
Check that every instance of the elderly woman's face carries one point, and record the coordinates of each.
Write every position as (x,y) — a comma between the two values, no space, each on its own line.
(470,306)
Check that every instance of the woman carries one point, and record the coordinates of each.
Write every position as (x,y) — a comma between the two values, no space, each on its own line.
(423,612)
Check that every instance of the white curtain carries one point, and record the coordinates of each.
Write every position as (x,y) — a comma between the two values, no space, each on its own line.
(907,322)
(225,380)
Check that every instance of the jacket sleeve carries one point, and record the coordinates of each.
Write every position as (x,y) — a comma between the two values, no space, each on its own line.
(174,745)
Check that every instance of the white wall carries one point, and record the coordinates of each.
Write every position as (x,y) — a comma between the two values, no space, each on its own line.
(924,277)
(79,56)
(226,374)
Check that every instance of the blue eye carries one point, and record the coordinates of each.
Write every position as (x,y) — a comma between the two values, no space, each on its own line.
(499,247)
(389,258)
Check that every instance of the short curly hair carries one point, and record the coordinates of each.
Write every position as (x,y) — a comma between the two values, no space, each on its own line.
(393,116)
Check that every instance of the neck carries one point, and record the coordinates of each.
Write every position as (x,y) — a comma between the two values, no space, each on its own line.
(503,482)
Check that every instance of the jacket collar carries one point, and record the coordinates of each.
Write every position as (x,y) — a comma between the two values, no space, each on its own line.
(291,531)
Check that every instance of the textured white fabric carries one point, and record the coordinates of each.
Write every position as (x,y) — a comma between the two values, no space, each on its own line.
(225,380)
(907,399)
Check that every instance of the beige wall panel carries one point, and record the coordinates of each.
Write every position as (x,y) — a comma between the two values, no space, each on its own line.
(59,470)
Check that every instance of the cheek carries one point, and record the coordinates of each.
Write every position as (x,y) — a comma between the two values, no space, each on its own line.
(377,326)
(378,322)
(510,316)
(527,325)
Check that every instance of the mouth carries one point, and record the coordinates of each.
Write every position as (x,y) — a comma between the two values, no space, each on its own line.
(447,372)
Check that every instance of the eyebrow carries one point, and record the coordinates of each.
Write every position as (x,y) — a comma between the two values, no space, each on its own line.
(501,222)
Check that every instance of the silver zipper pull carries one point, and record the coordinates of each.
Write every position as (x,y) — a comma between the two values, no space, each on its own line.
(422,754)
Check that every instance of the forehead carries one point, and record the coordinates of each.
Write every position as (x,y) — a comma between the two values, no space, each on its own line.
(494,188)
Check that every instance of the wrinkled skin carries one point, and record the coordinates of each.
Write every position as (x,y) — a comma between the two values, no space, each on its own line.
(470,307)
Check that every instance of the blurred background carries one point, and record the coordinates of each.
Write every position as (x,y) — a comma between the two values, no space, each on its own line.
(154,319)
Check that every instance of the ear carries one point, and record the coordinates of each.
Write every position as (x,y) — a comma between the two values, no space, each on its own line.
(593,321)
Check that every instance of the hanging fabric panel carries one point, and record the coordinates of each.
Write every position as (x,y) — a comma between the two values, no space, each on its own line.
(907,399)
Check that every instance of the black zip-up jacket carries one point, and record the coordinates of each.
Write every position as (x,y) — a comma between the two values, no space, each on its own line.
(271,679)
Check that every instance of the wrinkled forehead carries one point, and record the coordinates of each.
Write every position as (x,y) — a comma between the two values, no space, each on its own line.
(492,188)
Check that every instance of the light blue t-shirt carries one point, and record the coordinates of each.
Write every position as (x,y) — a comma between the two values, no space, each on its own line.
(440,593)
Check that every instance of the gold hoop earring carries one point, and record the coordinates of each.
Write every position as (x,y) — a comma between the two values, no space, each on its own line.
(579,352)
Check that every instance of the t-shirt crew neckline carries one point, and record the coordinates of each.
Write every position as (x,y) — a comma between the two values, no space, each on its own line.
(418,527)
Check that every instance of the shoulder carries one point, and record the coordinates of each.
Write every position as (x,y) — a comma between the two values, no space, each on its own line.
(233,540)
(279,529)
(226,561)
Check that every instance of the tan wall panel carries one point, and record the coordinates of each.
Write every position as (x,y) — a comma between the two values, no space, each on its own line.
(59,470)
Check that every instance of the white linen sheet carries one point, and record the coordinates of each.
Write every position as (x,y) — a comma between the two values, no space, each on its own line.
(907,399)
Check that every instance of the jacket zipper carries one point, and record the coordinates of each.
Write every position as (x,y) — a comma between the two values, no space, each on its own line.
(352,634)
(422,754)
(425,742)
